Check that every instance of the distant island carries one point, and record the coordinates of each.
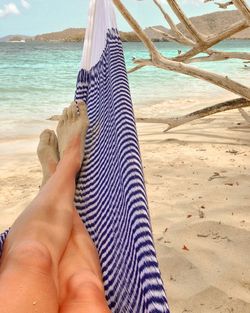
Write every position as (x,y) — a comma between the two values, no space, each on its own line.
(77,35)
(207,24)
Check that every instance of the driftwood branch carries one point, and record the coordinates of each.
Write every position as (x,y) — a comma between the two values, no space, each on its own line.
(162,62)
(216,79)
(220,56)
(181,38)
(242,6)
(179,35)
(213,55)
(224,5)
(245,115)
(199,44)
(173,38)
(137,28)
(202,42)
(167,18)
(203,45)
(173,122)
(137,67)
(199,38)
(213,40)
(217,108)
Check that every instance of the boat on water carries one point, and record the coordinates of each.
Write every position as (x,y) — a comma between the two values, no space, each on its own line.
(19,41)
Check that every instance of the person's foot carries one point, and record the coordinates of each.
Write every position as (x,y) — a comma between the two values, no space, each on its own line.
(71,133)
(48,154)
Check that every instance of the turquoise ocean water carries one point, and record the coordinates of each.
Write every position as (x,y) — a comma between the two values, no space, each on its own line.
(37,80)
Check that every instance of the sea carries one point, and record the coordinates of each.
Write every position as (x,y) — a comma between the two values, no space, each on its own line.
(37,80)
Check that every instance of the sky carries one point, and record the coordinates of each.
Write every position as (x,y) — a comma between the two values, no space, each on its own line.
(32,17)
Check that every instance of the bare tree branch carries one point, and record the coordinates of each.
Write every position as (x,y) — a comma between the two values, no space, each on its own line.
(224,5)
(172,38)
(216,79)
(245,115)
(200,43)
(161,62)
(217,108)
(213,40)
(137,28)
(220,56)
(181,38)
(166,35)
(177,121)
(213,55)
(167,17)
(242,6)
(173,27)
(137,67)
(199,38)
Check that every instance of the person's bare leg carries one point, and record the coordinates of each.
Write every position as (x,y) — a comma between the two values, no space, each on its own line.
(37,239)
(80,277)
(50,213)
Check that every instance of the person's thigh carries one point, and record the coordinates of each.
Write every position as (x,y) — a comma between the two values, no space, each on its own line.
(26,282)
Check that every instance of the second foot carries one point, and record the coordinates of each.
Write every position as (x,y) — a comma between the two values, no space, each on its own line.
(48,154)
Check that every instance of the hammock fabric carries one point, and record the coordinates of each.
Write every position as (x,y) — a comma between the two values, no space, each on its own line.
(110,193)
(2,239)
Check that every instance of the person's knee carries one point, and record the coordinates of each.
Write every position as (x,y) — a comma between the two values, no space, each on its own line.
(87,286)
(85,294)
(31,254)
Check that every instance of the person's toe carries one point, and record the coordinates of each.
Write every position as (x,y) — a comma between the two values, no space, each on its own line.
(65,114)
(73,107)
(75,110)
(82,107)
(45,136)
(60,123)
(53,138)
(82,112)
(70,112)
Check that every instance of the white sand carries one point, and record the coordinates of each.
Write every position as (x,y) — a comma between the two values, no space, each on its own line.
(198,184)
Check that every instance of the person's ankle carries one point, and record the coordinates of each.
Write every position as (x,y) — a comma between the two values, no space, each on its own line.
(71,159)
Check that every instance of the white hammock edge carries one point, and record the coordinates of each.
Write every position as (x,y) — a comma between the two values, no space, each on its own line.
(101,18)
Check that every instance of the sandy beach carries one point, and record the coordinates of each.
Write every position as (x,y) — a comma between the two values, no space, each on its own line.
(198,182)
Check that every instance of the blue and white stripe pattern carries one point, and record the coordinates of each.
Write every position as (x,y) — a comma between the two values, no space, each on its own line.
(110,194)
(2,239)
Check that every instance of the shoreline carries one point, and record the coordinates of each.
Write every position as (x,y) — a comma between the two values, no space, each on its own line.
(81,40)
(24,127)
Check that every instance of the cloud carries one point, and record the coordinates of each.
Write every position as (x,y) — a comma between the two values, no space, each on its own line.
(9,9)
(25,4)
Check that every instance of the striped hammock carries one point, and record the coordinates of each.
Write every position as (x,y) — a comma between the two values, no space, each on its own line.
(110,192)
